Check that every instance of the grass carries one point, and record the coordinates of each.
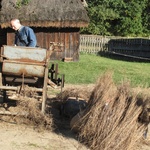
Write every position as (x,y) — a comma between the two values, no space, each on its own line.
(91,66)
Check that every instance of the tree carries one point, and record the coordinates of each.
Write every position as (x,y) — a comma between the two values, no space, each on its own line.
(101,13)
(146,19)
(130,22)
(119,17)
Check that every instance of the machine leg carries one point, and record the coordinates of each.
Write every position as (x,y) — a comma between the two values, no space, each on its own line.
(2,92)
(44,96)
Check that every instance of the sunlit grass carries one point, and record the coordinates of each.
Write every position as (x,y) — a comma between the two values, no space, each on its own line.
(90,67)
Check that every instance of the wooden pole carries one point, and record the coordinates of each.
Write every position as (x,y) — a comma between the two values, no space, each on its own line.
(52,84)
(17,88)
(13,113)
(8,88)
(1,79)
(44,96)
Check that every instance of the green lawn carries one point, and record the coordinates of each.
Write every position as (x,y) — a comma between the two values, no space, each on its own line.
(90,67)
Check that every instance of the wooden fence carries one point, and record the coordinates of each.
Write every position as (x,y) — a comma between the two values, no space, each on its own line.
(93,43)
(138,47)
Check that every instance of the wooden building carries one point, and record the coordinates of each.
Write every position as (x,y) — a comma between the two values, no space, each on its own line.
(52,21)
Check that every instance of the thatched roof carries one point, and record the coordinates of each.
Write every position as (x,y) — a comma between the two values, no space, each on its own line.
(47,13)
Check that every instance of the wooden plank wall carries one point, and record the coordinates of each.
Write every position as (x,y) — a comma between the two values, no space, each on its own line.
(69,37)
(63,36)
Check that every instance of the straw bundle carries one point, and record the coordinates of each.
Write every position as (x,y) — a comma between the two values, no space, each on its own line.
(111,117)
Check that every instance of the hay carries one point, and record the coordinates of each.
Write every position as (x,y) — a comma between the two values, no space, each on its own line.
(78,92)
(111,117)
(33,115)
(28,91)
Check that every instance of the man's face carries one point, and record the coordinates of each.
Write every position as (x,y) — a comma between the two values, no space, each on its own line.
(15,25)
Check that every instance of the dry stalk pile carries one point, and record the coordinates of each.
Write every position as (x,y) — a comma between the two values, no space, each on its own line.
(75,92)
(28,91)
(30,107)
(111,117)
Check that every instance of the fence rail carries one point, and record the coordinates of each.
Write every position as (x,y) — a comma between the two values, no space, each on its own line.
(93,43)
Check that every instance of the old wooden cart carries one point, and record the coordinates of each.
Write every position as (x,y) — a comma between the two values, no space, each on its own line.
(24,65)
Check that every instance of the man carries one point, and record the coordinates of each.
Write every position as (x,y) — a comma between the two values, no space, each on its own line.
(24,35)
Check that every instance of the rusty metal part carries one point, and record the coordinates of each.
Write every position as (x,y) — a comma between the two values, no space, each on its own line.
(19,64)
(24,60)
(25,54)
(28,70)
(10,80)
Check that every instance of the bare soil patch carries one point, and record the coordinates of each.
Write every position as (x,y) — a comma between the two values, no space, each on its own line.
(29,129)
(21,137)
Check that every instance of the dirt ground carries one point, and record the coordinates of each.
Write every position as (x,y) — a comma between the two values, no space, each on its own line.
(18,136)
(14,136)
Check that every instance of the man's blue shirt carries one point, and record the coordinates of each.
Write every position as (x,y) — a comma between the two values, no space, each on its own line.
(25,36)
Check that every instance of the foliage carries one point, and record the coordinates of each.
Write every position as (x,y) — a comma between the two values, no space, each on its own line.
(119,17)
(146,19)
(19,3)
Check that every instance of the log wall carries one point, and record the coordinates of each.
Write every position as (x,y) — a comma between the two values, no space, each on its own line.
(69,37)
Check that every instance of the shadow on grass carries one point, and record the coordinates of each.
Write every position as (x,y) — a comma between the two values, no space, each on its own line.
(123,57)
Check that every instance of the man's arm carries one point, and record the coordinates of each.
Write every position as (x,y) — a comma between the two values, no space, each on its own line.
(31,38)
